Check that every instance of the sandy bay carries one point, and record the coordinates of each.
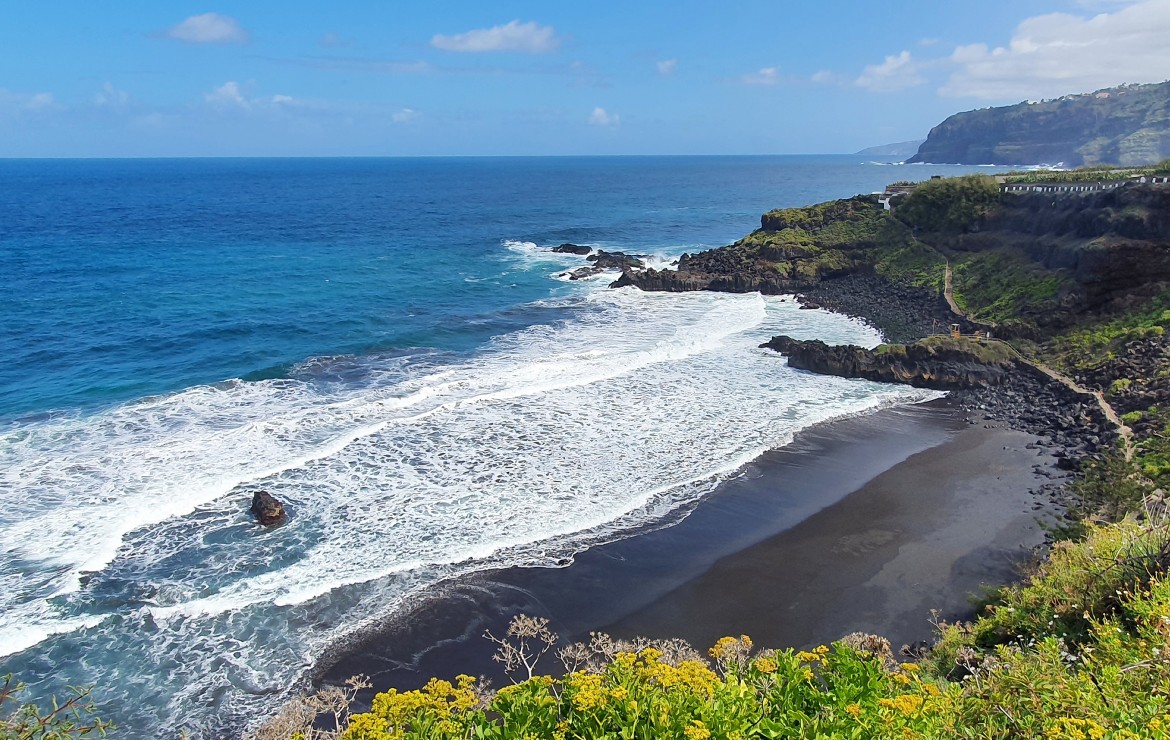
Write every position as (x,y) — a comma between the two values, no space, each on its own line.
(869,523)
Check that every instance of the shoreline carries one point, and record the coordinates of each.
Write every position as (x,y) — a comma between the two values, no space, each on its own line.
(862,524)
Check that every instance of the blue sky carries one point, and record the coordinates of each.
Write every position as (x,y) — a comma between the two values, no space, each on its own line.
(447,77)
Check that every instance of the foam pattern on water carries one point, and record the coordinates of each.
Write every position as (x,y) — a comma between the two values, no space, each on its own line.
(127,532)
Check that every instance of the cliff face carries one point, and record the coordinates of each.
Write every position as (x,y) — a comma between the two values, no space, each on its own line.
(1028,264)
(1110,243)
(1128,125)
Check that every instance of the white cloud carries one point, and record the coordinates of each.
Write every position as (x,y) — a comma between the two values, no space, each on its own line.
(766,76)
(530,38)
(897,72)
(111,96)
(16,103)
(825,77)
(600,118)
(404,115)
(283,100)
(332,40)
(228,95)
(667,66)
(1059,53)
(209,28)
(40,101)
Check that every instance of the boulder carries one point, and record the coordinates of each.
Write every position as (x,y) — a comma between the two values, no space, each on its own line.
(268,510)
(572,249)
(606,261)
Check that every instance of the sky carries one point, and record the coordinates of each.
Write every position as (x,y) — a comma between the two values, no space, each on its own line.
(143,78)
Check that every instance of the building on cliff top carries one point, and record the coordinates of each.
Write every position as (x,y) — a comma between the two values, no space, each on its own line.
(1056,186)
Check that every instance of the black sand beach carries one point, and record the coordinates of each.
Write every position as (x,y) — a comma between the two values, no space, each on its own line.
(863,524)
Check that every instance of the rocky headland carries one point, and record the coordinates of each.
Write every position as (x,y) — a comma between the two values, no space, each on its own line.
(1124,125)
(1075,281)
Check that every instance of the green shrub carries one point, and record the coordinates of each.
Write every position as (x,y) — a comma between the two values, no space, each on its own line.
(950,205)
(21,719)
(1081,650)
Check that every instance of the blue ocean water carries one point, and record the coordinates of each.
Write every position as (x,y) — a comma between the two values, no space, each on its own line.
(387,346)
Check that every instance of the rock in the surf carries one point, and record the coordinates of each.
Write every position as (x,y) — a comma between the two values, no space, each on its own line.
(572,249)
(268,510)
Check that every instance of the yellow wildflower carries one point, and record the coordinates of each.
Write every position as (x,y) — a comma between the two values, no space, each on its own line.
(905,704)
(589,694)
(650,655)
(697,731)
(765,665)
(854,709)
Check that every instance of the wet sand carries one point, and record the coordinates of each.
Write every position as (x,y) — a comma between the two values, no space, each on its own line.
(863,524)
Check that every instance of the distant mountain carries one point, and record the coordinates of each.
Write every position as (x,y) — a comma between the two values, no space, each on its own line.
(1126,125)
(901,149)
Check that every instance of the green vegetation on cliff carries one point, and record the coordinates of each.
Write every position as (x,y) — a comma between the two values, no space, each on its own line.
(831,238)
(1005,288)
(1126,125)
(989,353)
(951,205)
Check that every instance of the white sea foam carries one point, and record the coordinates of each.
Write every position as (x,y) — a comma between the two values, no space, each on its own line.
(547,438)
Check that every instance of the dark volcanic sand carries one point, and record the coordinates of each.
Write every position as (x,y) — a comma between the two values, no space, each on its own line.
(863,524)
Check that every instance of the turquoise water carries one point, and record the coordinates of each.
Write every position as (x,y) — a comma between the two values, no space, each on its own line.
(385,345)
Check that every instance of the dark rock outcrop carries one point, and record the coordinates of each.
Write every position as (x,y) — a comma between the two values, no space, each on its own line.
(572,249)
(616,260)
(941,365)
(608,261)
(268,510)
(682,280)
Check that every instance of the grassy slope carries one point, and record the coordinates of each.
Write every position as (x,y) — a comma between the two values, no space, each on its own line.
(838,236)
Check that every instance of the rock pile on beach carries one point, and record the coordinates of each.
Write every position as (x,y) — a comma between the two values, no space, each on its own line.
(1071,422)
(903,313)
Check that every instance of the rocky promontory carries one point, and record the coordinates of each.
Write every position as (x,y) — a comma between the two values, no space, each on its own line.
(941,363)
(1126,125)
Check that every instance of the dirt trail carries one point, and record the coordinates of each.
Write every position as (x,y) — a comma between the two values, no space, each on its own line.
(1123,431)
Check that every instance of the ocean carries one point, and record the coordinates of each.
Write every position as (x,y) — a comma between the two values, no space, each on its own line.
(388,346)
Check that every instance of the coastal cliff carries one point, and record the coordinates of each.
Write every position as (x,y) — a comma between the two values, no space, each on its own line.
(1126,125)
(1078,280)
(1029,264)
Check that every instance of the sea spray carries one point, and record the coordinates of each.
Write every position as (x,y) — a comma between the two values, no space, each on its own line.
(526,452)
